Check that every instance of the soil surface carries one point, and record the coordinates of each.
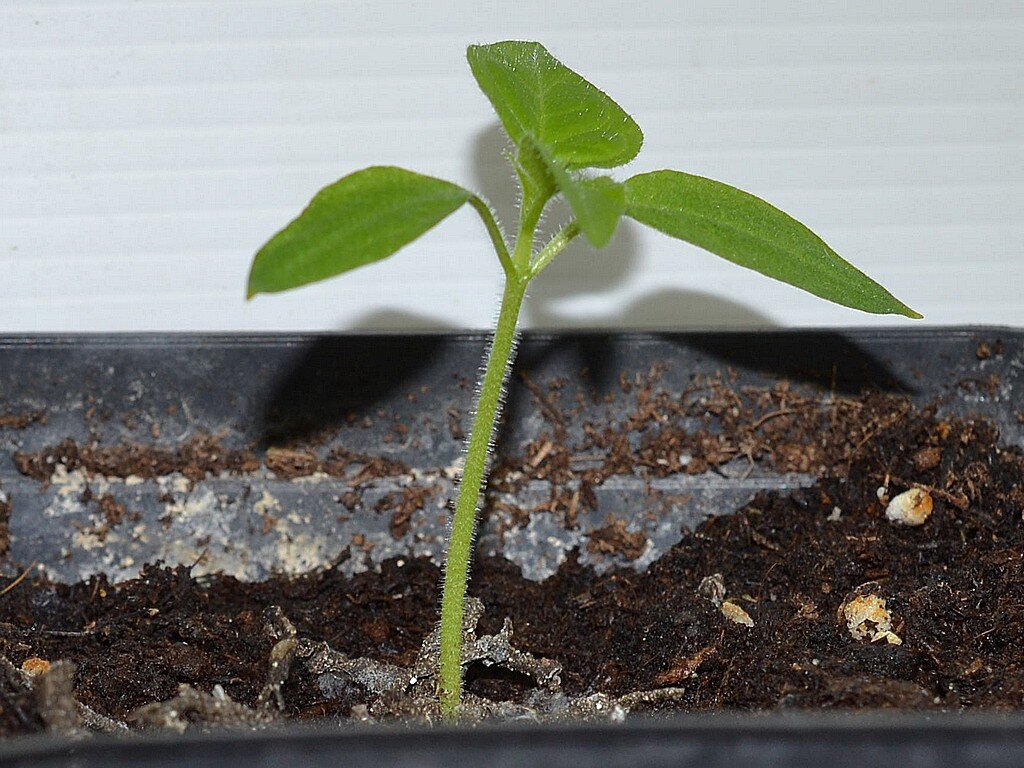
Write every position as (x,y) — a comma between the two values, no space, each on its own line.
(811,599)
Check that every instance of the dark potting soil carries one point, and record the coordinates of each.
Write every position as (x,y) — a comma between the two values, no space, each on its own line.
(748,612)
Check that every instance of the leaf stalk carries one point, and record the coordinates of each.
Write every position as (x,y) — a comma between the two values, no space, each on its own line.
(494,230)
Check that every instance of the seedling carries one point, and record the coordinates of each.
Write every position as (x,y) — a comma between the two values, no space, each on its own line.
(561,128)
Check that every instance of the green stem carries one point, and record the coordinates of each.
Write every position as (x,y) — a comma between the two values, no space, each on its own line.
(529,214)
(554,247)
(497,239)
(460,543)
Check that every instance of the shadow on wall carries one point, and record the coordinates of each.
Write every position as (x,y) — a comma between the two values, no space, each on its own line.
(582,270)
(308,398)
(330,378)
(666,310)
(579,271)
(825,358)
(398,320)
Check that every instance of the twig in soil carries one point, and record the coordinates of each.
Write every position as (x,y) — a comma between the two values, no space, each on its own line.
(587,458)
(19,579)
(547,404)
(769,416)
(541,454)
(878,426)
(750,464)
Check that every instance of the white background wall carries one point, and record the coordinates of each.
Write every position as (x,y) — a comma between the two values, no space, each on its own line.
(147,148)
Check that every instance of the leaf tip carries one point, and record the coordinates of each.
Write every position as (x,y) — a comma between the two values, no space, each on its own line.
(252,286)
(902,309)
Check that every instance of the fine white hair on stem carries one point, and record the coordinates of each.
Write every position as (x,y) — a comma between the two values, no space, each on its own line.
(494,215)
(491,439)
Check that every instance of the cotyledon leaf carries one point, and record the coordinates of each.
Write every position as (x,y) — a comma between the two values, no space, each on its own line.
(361,218)
(597,202)
(752,233)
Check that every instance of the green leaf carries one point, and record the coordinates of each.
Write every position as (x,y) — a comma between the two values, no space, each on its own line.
(598,204)
(570,120)
(560,123)
(362,218)
(748,231)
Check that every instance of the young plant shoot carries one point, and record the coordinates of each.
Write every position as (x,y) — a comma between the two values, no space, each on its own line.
(561,128)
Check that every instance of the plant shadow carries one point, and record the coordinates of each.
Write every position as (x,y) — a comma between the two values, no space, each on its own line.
(336,376)
(332,379)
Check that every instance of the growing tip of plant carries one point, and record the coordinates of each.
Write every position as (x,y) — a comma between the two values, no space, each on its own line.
(561,127)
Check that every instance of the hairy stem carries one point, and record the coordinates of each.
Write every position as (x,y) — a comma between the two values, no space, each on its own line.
(460,543)
(497,239)
(555,246)
(529,214)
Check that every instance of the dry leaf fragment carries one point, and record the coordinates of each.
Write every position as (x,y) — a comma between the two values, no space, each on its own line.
(735,614)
